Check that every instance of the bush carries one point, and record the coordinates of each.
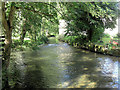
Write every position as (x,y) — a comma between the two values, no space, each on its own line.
(75,39)
(106,35)
(15,43)
(42,39)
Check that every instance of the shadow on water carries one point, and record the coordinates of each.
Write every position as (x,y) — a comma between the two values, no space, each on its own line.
(62,66)
(34,77)
(26,74)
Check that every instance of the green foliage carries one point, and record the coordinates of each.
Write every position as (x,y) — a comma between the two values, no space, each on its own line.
(29,43)
(91,18)
(3,78)
(97,34)
(43,39)
(15,43)
(106,35)
(33,20)
(75,39)
(85,19)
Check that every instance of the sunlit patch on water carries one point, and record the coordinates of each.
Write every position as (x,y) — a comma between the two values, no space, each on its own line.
(82,82)
(52,45)
(63,45)
(110,68)
(63,85)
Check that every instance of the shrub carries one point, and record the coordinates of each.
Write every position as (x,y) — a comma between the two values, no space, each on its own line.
(106,35)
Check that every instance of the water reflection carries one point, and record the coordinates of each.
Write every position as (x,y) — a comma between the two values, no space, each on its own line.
(110,69)
(62,66)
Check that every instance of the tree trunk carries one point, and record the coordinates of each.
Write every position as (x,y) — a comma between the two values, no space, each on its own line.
(7,24)
(7,50)
(35,35)
(23,35)
(90,33)
(6,56)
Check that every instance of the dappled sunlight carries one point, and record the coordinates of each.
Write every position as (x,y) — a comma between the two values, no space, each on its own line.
(85,51)
(64,84)
(98,69)
(85,68)
(82,82)
(62,66)
(86,59)
(79,82)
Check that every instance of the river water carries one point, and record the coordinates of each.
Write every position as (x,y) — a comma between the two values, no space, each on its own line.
(63,66)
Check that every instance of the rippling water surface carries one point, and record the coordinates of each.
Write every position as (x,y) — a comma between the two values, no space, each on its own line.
(62,66)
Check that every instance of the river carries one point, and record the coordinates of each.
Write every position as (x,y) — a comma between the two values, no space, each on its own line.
(62,66)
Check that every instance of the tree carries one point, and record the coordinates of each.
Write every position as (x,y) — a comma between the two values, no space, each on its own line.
(90,17)
(31,15)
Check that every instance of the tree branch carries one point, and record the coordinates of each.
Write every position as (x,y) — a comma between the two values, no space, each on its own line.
(11,15)
(54,8)
(40,13)
(4,21)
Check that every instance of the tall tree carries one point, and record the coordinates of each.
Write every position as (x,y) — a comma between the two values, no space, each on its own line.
(9,11)
(89,16)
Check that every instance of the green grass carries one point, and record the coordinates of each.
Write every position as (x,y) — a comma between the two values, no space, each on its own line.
(106,40)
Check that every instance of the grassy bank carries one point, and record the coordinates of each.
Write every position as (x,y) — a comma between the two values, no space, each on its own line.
(97,47)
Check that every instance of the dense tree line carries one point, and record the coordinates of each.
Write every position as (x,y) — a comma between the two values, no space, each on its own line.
(89,20)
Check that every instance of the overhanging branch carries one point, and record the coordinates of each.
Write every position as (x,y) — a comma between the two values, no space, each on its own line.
(54,8)
(40,13)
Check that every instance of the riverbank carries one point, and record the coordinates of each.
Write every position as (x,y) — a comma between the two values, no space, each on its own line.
(86,46)
(27,44)
(95,48)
